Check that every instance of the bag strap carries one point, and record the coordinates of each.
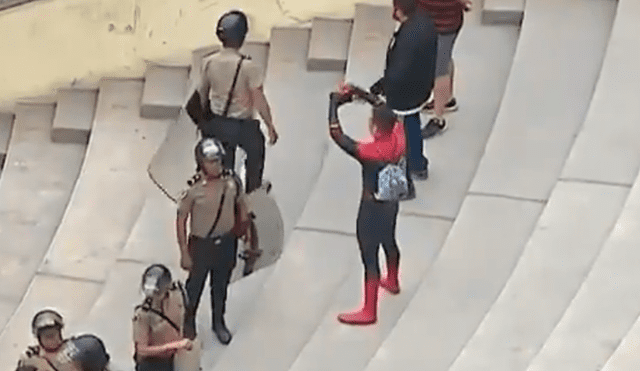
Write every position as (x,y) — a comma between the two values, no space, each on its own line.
(51,364)
(215,222)
(233,86)
(162,315)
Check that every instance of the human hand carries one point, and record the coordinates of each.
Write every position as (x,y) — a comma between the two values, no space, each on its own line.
(377,88)
(32,351)
(344,88)
(273,135)
(185,262)
(246,237)
(185,344)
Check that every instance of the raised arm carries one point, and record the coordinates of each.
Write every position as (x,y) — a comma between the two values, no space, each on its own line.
(343,141)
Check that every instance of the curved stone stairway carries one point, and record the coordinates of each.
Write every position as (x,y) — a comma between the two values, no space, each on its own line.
(480,247)
(544,105)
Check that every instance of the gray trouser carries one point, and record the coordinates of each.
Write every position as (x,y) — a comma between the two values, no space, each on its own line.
(445,51)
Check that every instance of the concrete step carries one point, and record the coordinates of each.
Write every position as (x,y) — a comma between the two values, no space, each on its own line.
(372,30)
(35,187)
(460,286)
(96,224)
(165,91)
(604,308)
(486,54)
(521,139)
(6,125)
(615,86)
(564,244)
(503,11)
(173,164)
(329,44)
(351,347)
(74,116)
(612,155)
(290,305)
(450,305)
(370,36)
(483,58)
(294,94)
(586,202)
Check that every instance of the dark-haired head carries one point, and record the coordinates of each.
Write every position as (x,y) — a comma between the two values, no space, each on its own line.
(383,118)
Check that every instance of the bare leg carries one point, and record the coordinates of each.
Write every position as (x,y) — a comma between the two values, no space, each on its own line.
(441,94)
(451,73)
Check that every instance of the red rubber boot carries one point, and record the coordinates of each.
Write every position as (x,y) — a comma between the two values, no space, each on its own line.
(390,283)
(369,312)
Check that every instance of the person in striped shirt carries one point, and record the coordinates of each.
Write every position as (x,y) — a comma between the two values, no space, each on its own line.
(448,17)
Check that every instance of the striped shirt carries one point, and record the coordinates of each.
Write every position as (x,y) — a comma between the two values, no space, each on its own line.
(446,14)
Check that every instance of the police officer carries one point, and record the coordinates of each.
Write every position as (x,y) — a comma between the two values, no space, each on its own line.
(248,95)
(83,353)
(46,326)
(216,207)
(158,321)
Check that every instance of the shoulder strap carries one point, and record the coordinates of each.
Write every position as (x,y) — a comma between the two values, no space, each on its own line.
(147,308)
(215,222)
(233,86)
(238,183)
(50,364)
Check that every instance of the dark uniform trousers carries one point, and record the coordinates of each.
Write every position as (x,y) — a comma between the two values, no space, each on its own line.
(216,258)
(155,364)
(245,133)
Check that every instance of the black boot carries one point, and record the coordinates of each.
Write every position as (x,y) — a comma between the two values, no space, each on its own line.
(217,322)
(189,323)
(221,331)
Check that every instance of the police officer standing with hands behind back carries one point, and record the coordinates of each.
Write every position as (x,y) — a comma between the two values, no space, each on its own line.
(218,213)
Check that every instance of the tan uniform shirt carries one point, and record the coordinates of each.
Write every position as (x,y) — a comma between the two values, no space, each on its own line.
(201,202)
(151,329)
(219,70)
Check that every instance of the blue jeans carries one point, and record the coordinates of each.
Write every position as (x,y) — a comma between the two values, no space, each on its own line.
(415,159)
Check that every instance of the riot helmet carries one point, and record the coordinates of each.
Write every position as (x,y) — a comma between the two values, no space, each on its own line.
(232,28)
(156,280)
(208,149)
(85,352)
(46,318)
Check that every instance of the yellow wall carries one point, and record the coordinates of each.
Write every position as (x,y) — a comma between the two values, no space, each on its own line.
(49,43)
